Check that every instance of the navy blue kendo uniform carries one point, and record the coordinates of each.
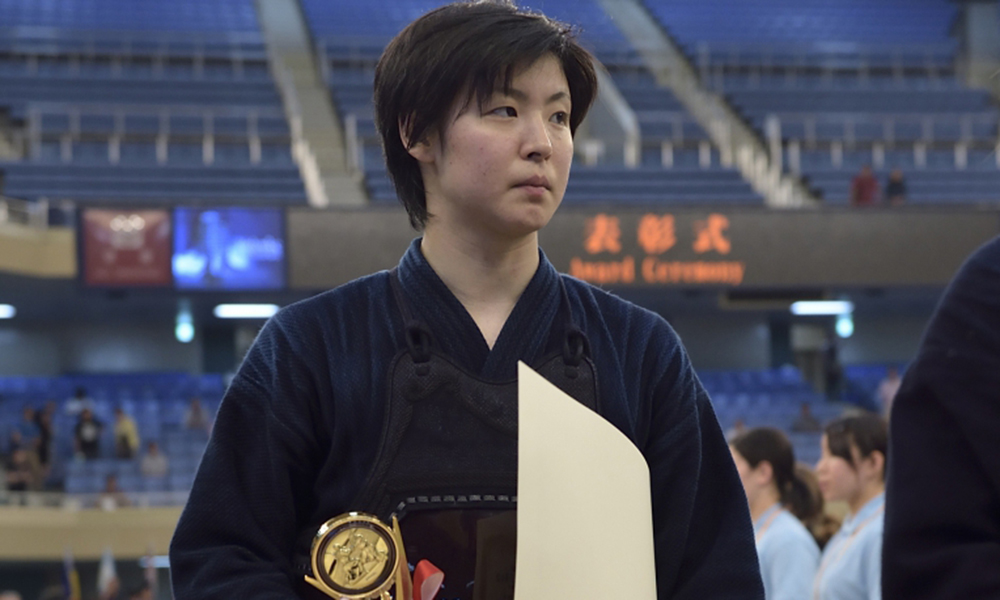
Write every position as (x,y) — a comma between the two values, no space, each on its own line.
(942,508)
(298,429)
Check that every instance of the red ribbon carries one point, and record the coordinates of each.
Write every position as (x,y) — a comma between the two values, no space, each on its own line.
(427,580)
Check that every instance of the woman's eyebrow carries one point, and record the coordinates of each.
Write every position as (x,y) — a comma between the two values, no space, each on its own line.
(522,96)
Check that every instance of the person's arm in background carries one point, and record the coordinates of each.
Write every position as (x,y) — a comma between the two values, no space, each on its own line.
(942,526)
(236,535)
(701,522)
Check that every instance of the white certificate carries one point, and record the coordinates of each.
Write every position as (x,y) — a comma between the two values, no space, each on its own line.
(584,511)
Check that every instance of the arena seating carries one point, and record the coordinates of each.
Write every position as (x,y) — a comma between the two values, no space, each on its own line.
(154,185)
(851,83)
(131,15)
(686,183)
(769,398)
(810,31)
(144,102)
(158,401)
(352,32)
(690,174)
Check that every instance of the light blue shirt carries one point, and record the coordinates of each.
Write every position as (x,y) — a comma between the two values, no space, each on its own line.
(851,567)
(787,553)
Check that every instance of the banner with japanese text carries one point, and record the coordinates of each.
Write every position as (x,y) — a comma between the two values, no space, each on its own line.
(657,247)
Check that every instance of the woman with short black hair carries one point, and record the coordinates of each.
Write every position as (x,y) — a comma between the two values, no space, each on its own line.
(787,553)
(851,469)
(396,394)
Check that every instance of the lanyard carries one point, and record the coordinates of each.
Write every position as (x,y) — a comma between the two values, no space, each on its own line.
(763,528)
(827,562)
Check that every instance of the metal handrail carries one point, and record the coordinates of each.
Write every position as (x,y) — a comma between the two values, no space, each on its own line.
(119,112)
(162,112)
(365,50)
(826,56)
(828,49)
(157,109)
(126,38)
(889,122)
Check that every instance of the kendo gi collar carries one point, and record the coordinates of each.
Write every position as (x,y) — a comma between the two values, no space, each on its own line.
(458,335)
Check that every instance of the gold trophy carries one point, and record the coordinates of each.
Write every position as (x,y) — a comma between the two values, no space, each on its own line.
(355,556)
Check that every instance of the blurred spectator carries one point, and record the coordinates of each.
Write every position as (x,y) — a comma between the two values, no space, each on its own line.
(820,524)
(195,417)
(28,431)
(15,440)
(154,463)
(864,188)
(44,421)
(87,435)
(895,190)
(738,428)
(126,435)
(833,373)
(78,402)
(141,592)
(806,421)
(852,469)
(112,590)
(887,390)
(18,471)
(24,473)
(112,497)
(787,553)
(10,595)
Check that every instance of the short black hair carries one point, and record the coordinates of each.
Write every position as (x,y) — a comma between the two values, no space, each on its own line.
(473,48)
(866,432)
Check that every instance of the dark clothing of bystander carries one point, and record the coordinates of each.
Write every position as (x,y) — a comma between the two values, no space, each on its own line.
(864,190)
(88,437)
(942,523)
(895,192)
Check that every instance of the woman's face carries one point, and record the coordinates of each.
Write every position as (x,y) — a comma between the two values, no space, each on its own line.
(502,169)
(838,480)
(753,479)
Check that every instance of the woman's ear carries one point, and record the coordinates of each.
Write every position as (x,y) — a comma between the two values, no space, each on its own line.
(876,460)
(421,150)
(764,471)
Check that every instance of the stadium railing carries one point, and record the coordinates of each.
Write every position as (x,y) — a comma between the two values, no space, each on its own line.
(28,214)
(252,125)
(822,55)
(49,41)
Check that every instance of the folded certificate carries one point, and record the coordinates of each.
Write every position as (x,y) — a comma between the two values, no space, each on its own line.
(584,512)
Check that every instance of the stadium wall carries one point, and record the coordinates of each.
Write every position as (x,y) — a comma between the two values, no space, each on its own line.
(51,351)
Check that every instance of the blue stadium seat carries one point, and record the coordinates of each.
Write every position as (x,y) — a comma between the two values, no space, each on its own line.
(180,482)
(138,153)
(154,484)
(84,484)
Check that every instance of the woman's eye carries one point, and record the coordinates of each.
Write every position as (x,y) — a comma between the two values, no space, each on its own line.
(561,117)
(504,111)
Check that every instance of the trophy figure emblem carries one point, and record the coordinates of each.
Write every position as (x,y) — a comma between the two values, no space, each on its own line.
(356,557)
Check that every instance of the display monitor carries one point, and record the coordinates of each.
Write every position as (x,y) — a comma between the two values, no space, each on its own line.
(229,249)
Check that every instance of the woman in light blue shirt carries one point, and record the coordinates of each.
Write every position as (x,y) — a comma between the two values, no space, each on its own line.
(852,469)
(787,553)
